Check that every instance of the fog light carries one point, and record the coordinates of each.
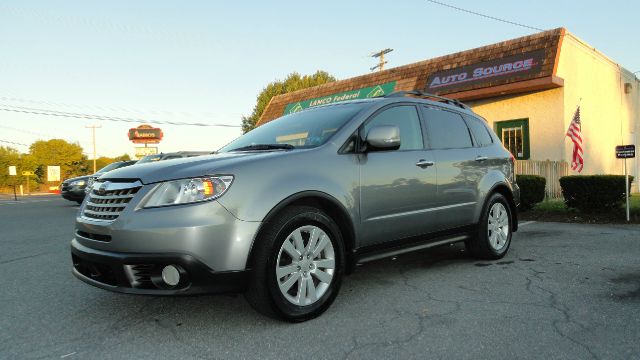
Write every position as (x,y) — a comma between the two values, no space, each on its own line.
(170,275)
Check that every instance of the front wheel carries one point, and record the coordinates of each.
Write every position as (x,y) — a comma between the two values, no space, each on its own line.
(493,236)
(298,265)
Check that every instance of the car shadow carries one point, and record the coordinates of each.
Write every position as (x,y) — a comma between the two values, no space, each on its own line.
(182,311)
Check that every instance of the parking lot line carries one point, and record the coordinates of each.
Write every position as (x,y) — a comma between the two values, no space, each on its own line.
(25,202)
(526,223)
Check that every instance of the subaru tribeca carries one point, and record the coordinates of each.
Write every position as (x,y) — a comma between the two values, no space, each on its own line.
(285,211)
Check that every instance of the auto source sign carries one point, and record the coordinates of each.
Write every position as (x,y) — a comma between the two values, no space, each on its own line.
(512,67)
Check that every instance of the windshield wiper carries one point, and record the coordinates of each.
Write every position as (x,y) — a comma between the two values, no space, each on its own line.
(264,147)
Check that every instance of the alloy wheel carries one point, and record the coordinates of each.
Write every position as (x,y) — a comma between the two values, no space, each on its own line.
(305,265)
(498,227)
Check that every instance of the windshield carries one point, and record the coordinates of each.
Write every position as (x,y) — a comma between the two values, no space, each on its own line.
(305,129)
(111,166)
(149,158)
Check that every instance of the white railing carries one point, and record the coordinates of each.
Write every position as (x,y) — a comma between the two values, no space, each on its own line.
(552,171)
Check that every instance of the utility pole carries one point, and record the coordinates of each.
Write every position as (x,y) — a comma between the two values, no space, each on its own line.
(380,54)
(93,129)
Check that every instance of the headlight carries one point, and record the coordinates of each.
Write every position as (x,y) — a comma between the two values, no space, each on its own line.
(188,191)
(78,183)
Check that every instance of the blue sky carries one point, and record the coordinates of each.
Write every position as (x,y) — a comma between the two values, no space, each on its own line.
(205,61)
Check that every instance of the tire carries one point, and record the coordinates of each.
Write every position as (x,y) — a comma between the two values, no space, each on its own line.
(285,295)
(79,202)
(491,243)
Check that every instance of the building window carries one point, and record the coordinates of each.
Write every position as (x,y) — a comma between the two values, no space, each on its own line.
(514,135)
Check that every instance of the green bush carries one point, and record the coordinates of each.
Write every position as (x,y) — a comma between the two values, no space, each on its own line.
(591,193)
(531,190)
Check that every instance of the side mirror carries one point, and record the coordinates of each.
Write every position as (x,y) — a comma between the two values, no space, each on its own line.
(383,137)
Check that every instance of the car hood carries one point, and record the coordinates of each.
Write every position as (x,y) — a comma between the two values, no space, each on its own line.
(99,173)
(165,170)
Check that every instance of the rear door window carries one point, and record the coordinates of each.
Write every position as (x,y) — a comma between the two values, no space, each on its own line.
(479,130)
(446,129)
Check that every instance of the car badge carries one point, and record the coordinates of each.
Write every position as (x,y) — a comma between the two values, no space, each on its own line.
(102,189)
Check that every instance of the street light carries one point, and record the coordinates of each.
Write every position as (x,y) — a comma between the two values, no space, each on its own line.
(93,128)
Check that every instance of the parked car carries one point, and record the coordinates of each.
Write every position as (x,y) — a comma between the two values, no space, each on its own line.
(74,189)
(112,166)
(285,211)
(172,155)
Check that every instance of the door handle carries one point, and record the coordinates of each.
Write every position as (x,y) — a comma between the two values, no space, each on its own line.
(481,158)
(424,163)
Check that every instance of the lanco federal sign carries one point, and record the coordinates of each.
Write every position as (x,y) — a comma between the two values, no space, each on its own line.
(511,67)
(368,92)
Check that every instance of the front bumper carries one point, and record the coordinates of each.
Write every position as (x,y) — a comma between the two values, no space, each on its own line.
(73,193)
(206,231)
(140,273)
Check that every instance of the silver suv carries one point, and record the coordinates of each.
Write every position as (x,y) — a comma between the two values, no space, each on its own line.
(285,211)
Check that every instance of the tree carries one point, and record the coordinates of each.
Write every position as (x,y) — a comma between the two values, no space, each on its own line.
(293,82)
(123,157)
(104,161)
(55,152)
(8,157)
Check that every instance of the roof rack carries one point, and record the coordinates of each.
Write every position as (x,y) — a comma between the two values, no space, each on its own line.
(423,94)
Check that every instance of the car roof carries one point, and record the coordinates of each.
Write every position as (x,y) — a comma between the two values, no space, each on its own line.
(397,99)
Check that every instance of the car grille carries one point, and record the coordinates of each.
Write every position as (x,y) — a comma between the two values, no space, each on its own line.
(108,199)
(91,180)
(97,237)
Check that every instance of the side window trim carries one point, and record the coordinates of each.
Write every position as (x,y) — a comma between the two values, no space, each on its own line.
(429,106)
(360,135)
(487,127)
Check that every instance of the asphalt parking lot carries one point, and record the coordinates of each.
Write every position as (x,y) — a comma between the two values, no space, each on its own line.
(564,291)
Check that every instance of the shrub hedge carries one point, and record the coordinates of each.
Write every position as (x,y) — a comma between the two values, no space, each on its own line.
(591,193)
(531,190)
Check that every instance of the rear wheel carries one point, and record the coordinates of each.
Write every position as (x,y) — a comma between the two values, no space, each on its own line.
(493,236)
(298,265)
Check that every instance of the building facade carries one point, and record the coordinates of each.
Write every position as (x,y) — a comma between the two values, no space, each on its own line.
(527,88)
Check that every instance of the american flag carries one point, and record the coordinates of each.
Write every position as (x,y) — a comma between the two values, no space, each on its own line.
(575,134)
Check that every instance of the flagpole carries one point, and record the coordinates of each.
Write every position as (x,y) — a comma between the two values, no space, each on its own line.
(626,187)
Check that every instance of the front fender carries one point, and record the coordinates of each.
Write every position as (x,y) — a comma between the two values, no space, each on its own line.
(260,188)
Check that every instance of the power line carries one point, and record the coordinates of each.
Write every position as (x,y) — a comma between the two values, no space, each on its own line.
(46,112)
(198,39)
(31,102)
(13,143)
(34,133)
(484,15)
(44,136)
